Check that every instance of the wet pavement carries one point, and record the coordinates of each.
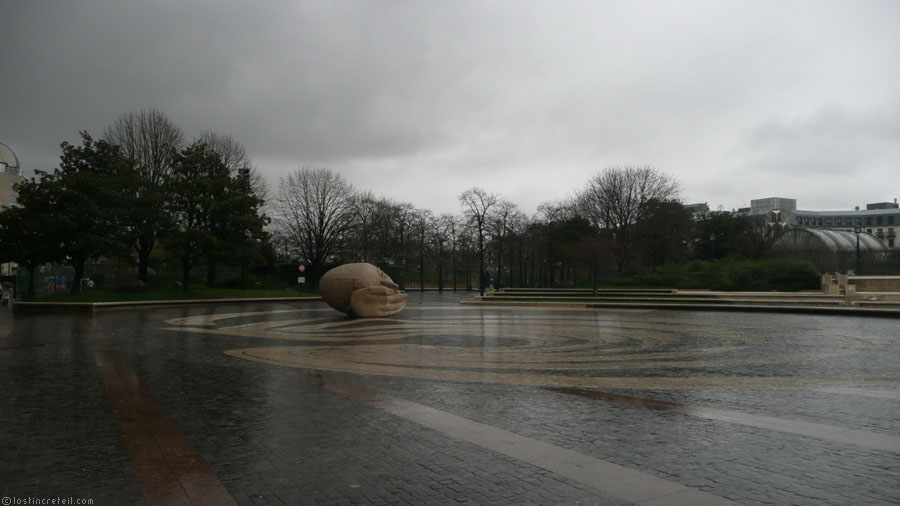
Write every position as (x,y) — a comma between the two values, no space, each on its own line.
(277,403)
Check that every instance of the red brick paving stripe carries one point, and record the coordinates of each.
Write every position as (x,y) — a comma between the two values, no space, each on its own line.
(168,468)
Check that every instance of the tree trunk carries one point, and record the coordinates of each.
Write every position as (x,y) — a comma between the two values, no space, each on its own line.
(243,270)
(620,259)
(521,266)
(403,252)
(365,239)
(143,260)
(499,264)
(315,272)
(79,274)
(440,267)
(144,248)
(453,262)
(532,268)
(481,262)
(211,272)
(185,271)
(422,262)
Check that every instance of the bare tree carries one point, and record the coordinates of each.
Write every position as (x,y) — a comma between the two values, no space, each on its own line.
(443,229)
(313,209)
(404,219)
(421,220)
(616,199)
(555,212)
(467,237)
(149,139)
(234,156)
(383,236)
(500,222)
(477,205)
(518,228)
(232,153)
(551,216)
(453,227)
(364,205)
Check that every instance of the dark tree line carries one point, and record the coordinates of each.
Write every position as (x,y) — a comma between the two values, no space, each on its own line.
(624,220)
(142,186)
(123,195)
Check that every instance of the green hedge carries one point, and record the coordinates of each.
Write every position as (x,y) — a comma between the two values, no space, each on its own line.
(783,274)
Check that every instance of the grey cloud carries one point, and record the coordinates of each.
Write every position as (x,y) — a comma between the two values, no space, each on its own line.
(527,97)
(833,140)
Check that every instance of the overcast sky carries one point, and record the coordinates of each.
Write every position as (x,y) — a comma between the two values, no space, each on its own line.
(419,101)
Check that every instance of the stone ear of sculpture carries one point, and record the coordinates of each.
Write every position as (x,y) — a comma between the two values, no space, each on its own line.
(363,290)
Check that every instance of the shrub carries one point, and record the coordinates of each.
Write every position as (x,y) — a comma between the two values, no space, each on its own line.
(785,274)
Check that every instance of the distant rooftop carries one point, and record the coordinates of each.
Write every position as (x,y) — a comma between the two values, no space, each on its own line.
(9,163)
(883,205)
(763,206)
(834,240)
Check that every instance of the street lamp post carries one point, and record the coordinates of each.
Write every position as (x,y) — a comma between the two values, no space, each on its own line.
(244,175)
(858,230)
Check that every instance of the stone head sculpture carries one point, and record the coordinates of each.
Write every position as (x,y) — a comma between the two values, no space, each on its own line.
(361,290)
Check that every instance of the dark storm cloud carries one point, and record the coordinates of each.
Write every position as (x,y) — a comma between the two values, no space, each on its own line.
(420,100)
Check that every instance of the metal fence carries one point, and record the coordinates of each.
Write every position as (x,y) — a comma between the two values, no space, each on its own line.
(59,277)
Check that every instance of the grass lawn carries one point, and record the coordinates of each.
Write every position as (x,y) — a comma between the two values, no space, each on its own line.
(168,294)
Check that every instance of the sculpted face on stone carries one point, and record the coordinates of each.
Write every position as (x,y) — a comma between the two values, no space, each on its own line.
(361,290)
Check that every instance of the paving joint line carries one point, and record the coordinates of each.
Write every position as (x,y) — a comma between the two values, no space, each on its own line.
(605,477)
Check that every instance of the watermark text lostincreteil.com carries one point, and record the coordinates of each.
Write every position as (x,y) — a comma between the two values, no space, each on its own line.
(28,501)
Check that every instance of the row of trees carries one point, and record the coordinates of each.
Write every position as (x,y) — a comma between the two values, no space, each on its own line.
(623,219)
(143,185)
(140,185)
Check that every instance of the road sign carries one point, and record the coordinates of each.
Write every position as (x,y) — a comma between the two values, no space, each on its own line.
(301,280)
(301,267)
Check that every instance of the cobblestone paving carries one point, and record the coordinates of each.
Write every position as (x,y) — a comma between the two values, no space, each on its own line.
(273,437)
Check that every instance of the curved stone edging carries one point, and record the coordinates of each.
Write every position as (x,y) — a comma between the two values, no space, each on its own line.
(843,311)
(90,307)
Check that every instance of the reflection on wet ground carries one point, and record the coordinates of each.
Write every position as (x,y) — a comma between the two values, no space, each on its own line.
(673,407)
(297,404)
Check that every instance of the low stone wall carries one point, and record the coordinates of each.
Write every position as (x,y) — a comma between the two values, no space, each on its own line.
(875,283)
(862,288)
(833,284)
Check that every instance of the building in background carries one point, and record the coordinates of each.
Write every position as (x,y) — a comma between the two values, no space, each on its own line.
(698,211)
(10,174)
(880,219)
(763,206)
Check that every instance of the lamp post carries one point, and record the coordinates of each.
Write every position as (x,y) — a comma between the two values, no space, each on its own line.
(857,230)
(244,176)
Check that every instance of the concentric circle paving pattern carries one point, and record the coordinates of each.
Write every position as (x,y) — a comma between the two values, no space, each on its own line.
(585,349)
